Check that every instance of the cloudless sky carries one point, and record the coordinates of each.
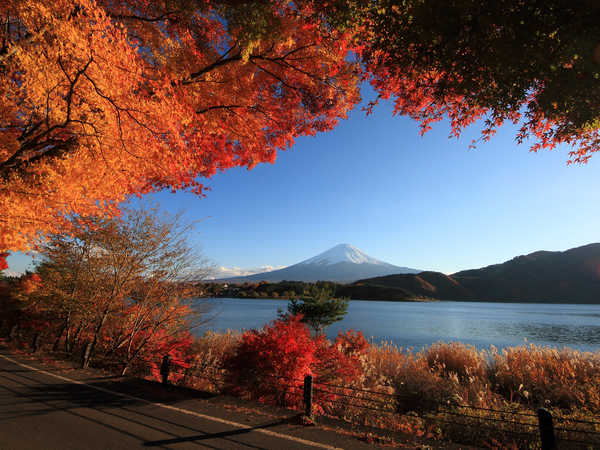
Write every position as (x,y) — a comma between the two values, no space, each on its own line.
(423,202)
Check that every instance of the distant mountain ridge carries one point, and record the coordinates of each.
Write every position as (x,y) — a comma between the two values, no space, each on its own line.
(543,276)
(343,263)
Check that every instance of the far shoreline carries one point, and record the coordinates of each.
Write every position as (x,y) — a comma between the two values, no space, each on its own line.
(421,300)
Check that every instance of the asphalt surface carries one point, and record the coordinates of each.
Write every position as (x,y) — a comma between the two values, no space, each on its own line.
(40,411)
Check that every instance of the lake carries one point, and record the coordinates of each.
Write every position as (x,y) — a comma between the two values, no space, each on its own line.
(419,324)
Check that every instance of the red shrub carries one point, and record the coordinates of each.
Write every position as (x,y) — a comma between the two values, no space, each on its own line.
(352,343)
(341,362)
(161,344)
(270,364)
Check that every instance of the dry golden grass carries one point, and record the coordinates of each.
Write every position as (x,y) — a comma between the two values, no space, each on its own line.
(449,391)
(449,373)
(534,375)
(209,352)
(471,396)
(454,373)
(455,358)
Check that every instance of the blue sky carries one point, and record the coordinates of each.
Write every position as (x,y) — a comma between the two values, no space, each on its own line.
(424,202)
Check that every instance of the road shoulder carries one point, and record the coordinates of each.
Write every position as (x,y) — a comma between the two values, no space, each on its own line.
(227,411)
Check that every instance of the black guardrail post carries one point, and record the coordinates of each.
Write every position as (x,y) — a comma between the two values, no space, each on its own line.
(35,344)
(308,395)
(165,368)
(546,429)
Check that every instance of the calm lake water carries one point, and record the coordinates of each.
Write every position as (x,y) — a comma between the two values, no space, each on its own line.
(416,325)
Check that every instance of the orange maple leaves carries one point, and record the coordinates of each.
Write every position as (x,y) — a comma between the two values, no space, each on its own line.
(100,101)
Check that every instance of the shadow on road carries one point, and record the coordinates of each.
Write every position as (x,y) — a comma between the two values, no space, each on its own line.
(31,397)
(215,435)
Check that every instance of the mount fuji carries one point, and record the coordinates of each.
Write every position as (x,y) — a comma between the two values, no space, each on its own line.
(343,263)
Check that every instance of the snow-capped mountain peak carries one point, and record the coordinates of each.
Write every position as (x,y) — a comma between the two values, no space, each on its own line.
(343,263)
(342,253)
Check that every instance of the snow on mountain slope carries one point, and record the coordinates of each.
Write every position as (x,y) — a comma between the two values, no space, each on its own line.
(342,263)
(342,253)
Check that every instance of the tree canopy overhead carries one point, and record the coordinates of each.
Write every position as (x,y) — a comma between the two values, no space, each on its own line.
(103,99)
(536,64)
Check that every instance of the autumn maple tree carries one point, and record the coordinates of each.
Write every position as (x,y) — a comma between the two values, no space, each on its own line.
(118,287)
(104,99)
(534,64)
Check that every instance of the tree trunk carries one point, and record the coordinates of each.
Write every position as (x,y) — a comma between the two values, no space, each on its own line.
(68,341)
(88,354)
(12,334)
(57,340)
(62,330)
(70,344)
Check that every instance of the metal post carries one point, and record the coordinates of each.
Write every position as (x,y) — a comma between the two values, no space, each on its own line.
(165,368)
(546,430)
(35,345)
(308,395)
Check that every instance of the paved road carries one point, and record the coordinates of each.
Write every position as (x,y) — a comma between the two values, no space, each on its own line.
(40,411)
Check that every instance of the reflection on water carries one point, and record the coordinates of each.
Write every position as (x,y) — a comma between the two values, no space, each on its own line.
(559,334)
(419,324)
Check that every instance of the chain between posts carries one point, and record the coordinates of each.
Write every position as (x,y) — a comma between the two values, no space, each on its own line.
(547,432)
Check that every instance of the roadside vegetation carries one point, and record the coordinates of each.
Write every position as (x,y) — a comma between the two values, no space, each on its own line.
(118,295)
(115,290)
(448,391)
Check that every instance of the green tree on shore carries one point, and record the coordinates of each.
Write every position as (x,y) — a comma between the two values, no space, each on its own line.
(319,310)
